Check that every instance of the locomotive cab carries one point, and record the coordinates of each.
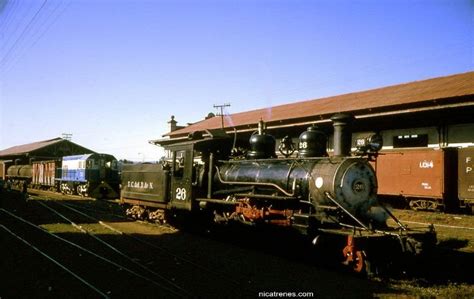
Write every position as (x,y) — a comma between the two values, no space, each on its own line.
(175,183)
(191,165)
(181,177)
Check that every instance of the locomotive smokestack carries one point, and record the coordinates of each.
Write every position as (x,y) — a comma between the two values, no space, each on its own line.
(342,134)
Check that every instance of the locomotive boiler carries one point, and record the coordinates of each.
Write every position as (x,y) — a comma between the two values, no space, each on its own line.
(325,197)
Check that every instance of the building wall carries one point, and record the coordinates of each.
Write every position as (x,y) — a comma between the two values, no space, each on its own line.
(459,135)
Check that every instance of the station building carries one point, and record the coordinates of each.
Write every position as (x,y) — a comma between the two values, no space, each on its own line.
(434,113)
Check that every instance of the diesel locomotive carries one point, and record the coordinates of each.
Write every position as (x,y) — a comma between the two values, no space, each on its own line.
(331,199)
(94,175)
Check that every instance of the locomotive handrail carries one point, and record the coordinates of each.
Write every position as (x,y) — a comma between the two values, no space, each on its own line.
(330,159)
(402,226)
(258,184)
(359,222)
(265,196)
(346,211)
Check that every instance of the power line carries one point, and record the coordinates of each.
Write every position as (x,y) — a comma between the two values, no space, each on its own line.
(16,17)
(9,13)
(40,32)
(28,26)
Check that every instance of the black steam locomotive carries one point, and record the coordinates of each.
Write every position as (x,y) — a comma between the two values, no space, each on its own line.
(324,197)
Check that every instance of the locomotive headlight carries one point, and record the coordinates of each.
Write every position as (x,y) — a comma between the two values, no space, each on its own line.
(318,182)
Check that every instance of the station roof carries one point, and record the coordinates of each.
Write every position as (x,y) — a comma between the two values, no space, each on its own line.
(30,147)
(438,92)
(52,147)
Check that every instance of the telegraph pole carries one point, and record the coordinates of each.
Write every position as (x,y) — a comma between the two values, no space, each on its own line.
(221,107)
(67,136)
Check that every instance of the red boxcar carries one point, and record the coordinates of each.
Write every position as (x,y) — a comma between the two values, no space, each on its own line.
(43,174)
(426,178)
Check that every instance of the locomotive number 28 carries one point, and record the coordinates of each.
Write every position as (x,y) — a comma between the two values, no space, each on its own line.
(303,145)
(180,193)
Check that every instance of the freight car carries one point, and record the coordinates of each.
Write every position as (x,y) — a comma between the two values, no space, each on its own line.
(94,175)
(425,178)
(466,178)
(330,200)
(43,174)
(18,176)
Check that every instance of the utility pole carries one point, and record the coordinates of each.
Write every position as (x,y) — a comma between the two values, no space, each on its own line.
(67,136)
(221,107)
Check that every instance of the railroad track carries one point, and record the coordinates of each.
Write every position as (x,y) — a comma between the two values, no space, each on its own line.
(162,249)
(55,262)
(200,266)
(170,268)
(73,266)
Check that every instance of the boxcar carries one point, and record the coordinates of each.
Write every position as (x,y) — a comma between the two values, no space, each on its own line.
(466,177)
(425,178)
(44,174)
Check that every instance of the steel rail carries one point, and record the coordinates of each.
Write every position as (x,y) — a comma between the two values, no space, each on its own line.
(95,289)
(166,251)
(121,267)
(114,249)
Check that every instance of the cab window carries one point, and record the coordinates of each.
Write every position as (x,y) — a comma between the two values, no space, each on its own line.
(178,163)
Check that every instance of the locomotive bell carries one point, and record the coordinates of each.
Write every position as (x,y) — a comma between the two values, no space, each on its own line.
(262,145)
(312,143)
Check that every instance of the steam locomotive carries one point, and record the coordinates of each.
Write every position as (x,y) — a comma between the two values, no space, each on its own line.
(329,199)
(94,175)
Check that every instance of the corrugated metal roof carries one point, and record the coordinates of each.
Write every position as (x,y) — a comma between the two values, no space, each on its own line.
(26,148)
(418,92)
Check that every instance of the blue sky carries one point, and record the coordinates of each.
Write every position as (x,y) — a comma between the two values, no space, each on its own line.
(113,72)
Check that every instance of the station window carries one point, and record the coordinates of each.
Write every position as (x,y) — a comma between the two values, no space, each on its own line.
(412,140)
